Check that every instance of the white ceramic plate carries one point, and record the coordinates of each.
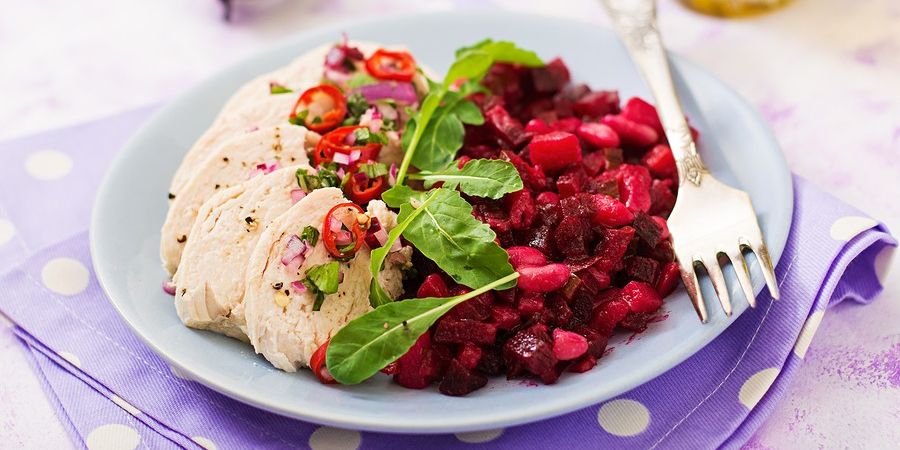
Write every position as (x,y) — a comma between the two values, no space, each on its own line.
(736,144)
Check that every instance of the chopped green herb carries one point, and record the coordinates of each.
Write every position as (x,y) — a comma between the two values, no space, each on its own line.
(316,120)
(365,136)
(326,177)
(373,169)
(322,280)
(276,88)
(311,235)
(360,79)
(356,105)
(300,118)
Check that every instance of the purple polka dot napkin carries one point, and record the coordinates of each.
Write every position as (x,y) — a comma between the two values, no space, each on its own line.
(111,391)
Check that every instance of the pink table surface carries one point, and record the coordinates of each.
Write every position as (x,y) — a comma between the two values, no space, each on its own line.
(824,73)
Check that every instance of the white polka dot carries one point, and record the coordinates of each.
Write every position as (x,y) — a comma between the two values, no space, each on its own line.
(883,263)
(807,333)
(128,407)
(624,417)
(65,276)
(204,442)
(328,438)
(113,437)
(179,373)
(478,437)
(71,358)
(48,165)
(756,386)
(847,228)
(7,231)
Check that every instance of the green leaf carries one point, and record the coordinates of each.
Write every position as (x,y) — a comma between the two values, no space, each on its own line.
(491,178)
(377,294)
(443,136)
(370,342)
(360,78)
(471,65)
(276,88)
(322,280)
(503,51)
(444,230)
(311,235)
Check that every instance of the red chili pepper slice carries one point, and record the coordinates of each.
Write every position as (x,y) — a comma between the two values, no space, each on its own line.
(349,220)
(362,192)
(325,108)
(317,364)
(336,142)
(390,65)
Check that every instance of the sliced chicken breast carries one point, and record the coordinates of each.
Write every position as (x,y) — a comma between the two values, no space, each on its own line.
(281,323)
(230,164)
(210,278)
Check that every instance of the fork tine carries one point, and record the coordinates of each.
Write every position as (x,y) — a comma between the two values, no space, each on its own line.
(718,281)
(765,262)
(689,277)
(743,275)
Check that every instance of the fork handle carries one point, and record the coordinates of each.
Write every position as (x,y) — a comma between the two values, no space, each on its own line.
(635,23)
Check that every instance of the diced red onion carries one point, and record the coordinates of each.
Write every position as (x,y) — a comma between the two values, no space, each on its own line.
(340,275)
(343,238)
(386,111)
(336,76)
(360,178)
(294,266)
(168,287)
(298,287)
(392,174)
(399,92)
(354,155)
(376,236)
(264,169)
(341,158)
(294,249)
(350,139)
(335,225)
(297,195)
(340,173)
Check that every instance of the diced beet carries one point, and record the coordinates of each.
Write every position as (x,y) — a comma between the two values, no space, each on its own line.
(668,279)
(505,126)
(598,104)
(568,125)
(584,364)
(462,160)
(662,200)
(457,332)
(609,212)
(580,205)
(664,226)
(550,78)
(608,315)
(641,297)
(636,322)
(596,341)
(647,229)
(477,309)
(522,256)
(594,280)
(660,161)
(532,353)
(594,162)
(558,308)
(570,182)
(412,369)
(469,355)
(507,296)
(612,248)
(504,80)
(664,252)
(555,150)
(531,303)
(547,198)
(643,269)
(631,134)
(533,177)
(479,151)
(460,380)
(634,187)
(642,112)
(537,126)
(390,369)
(539,237)
(521,209)
(598,185)
(598,135)
(493,215)
(543,279)
(433,286)
(572,236)
(505,317)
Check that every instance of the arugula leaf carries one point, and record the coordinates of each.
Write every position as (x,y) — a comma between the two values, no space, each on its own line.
(443,136)
(471,64)
(396,196)
(370,342)
(311,235)
(377,294)
(491,178)
(445,231)
(323,280)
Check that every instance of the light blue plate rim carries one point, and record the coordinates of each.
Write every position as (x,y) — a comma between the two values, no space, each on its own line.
(119,227)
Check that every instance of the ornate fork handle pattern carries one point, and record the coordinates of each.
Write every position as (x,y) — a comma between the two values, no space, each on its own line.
(636,22)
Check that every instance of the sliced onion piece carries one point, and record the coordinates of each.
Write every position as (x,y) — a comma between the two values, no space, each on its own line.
(294,249)
(298,287)
(399,92)
(297,195)
(168,287)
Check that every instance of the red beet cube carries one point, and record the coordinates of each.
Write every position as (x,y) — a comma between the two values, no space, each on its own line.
(641,297)
(555,150)
(521,209)
(505,127)
(643,269)
(469,354)
(571,181)
(584,364)
(612,248)
(505,317)
(569,125)
(531,303)
(608,315)
(533,177)
(460,380)
(642,112)
(668,279)
(634,187)
(573,234)
(537,126)
(609,212)
(528,351)
(433,286)
(458,332)
(598,104)
(550,78)
(660,161)
(413,369)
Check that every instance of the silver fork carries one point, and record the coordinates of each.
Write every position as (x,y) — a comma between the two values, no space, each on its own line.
(710,219)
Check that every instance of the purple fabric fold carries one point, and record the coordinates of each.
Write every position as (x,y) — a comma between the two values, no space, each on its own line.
(109,387)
